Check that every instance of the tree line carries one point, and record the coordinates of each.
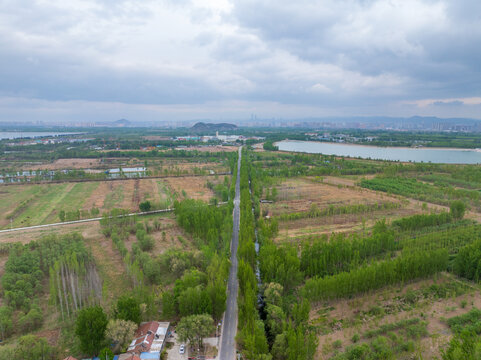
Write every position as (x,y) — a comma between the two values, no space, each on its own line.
(404,268)
(341,252)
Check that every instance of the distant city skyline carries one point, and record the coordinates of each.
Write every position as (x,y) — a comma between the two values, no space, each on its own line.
(220,60)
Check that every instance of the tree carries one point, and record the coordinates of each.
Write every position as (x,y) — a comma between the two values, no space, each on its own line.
(168,305)
(6,325)
(106,354)
(145,206)
(90,327)
(32,320)
(120,332)
(61,215)
(194,328)
(128,309)
(458,208)
(31,347)
(273,293)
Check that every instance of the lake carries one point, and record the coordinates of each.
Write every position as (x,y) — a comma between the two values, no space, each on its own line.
(435,155)
(29,134)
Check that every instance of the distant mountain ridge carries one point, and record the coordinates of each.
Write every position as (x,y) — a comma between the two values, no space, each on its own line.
(201,126)
(122,123)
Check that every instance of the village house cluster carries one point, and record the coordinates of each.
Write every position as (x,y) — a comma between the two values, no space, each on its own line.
(147,344)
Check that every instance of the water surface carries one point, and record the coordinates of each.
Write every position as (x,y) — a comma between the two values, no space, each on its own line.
(29,134)
(434,155)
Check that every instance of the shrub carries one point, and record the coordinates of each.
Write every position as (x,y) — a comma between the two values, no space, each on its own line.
(355,338)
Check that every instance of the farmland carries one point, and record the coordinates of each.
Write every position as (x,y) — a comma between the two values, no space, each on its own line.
(340,243)
(26,205)
(140,257)
(356,258)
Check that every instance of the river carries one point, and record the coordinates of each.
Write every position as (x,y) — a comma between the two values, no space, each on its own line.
(433,155)
(31,134)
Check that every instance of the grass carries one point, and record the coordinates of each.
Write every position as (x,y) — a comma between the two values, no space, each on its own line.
(74,199)
(46,201)
(39,209)
(12,196)
(111,268)
(114,197)
(165,194)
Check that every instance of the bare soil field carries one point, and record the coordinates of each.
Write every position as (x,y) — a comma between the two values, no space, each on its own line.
(88,230)
(60,164)
(346,223)
(168,236)
(298,195)
(186,168)
(340,320)
(193,187)
(295,195)
(212,149)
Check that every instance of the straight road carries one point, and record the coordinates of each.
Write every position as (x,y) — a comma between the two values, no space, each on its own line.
(227,349)
(83,221)
(91,219)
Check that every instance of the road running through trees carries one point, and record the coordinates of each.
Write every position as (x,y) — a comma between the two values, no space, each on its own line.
(227,349)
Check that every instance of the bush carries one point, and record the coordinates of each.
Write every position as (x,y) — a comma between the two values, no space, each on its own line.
(32,320)
(355,338)
(457,209)
(145,206)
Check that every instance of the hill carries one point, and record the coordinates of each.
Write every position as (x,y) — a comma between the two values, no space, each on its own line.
(200,126)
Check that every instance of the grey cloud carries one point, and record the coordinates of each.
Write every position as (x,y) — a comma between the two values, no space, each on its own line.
(337,54)
(438,53)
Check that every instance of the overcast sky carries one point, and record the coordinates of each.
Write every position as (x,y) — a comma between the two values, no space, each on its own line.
(96,60)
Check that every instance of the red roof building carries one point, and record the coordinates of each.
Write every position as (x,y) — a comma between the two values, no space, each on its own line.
(149,337)
(129,357)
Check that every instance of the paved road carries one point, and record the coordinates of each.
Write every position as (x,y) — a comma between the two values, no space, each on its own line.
(227,349)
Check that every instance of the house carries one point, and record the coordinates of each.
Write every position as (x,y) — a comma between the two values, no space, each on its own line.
(128,357)
(149,338)
(70,358)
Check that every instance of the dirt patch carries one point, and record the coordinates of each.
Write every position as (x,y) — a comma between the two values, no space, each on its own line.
(110,266)
(212,149)
(65,164)
(24,236)
(128,195)
(190,187)
(51,336)
(148,190)
(346,223)
(170,235)
(295,195)
(96,198)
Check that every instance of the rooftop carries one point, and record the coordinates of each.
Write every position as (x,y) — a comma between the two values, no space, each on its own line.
(149,337)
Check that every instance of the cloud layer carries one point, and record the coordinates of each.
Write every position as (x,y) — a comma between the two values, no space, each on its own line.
(160,60)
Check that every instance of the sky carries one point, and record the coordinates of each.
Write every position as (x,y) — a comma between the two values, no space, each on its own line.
(169,60)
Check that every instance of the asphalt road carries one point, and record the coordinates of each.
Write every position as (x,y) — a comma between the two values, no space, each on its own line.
(227,349)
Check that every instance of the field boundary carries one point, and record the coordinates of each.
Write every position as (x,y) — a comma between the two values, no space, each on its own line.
(84,220)
(111,179)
